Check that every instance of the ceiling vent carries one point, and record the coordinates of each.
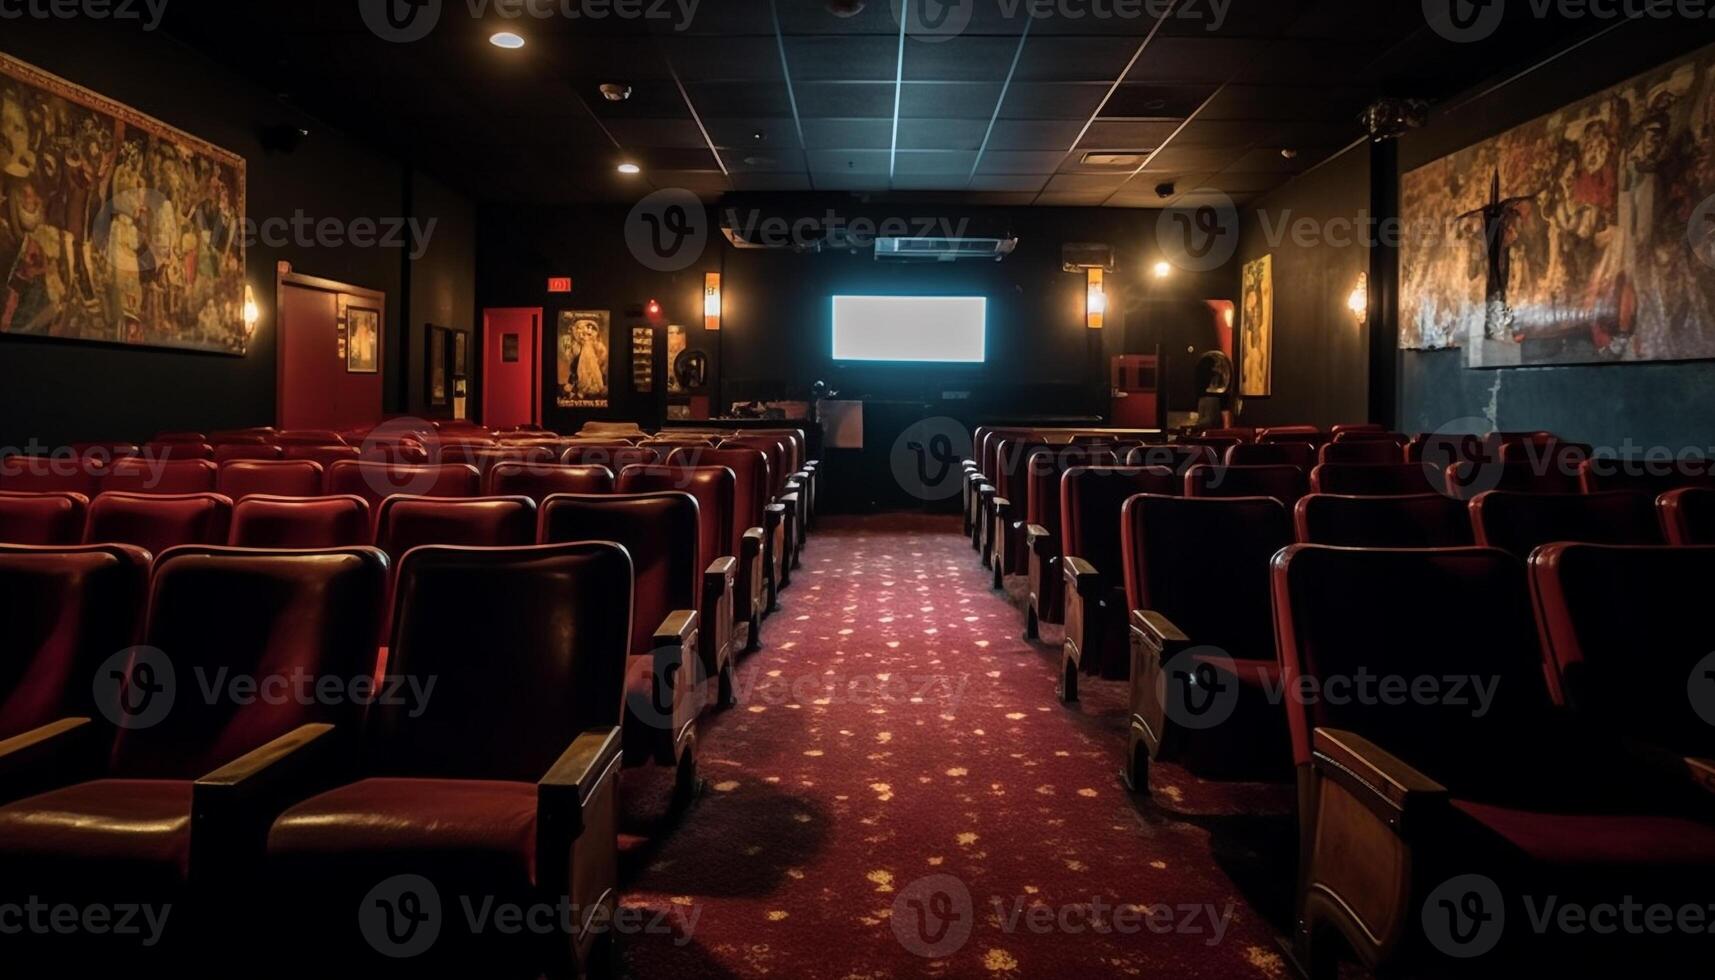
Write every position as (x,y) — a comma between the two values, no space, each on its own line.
(943,249)
(1116,158)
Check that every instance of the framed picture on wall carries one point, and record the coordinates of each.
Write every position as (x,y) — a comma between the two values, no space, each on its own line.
(461,354)
(1256,329)
(436,359)
(363,340)
(581,359)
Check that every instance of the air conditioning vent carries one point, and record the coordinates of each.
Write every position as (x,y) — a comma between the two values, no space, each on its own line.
(943,249)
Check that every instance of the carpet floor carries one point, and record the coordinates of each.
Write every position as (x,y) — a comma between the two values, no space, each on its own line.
(900,794)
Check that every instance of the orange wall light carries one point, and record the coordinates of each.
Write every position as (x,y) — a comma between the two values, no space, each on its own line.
(712,301)
(1095,300)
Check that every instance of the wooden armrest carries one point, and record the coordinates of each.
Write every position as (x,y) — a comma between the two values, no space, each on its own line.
(1081,575)
(31,761)
(775,513)
(677,629)
(562,793)
(1159,631)
(1393,790)
(270,771)
(721,574)
(1001,505)
(1038,539)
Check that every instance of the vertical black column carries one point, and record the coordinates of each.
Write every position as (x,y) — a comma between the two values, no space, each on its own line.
(1384,283)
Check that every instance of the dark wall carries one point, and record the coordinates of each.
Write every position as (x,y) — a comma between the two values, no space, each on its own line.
(1648,404)
(776,337)
(442,287)
(57,392)
(1316,228)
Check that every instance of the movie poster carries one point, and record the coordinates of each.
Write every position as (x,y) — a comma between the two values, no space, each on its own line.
(582,362)
(114,227)
(1256,329)
(1583,236)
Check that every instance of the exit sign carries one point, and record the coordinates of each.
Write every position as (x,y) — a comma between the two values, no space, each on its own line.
(560,285)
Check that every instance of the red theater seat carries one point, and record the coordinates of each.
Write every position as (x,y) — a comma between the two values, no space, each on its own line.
(156,522)
(275,478)
(539,481)
(169,437)
(1284,483)
(1299,454)
(1467,480)
(1360,428)
(309,437)
(1040,506)
(1429,520)
(1442,449)
(300,522)
(1197,587)
(1177,458)
(219,439)
(1644,476)
(326,455)
(1688,516)
(1239,433)
(42,518)
(230,452)
(64,473)
(1377,479)
(755,530)
(182,790)
(663,689)
(154,475)
(1546,452)
(376,482)
(66,610)
(713,487)
(485,459)
(1519,523)
(1091,565)
(506,789)
(614,456)
(178,450)
(1361,452)
(405,522)
(1294,433)
(1446,781)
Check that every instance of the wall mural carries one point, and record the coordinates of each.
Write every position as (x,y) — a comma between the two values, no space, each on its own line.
(114,227)
(581,368)
(1584,236)
(1256,329)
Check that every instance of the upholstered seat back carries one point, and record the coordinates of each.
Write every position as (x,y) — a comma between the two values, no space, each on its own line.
(540,481)
(1688,515)
(1299,454)
(42,518)
(1428,520)
(155,474)
(241,640)
(658,530)
(275,478)
(1284,483)
(300,522)
(1043,474)
(375,482)
(66,610)
(751,482)
(1377,479)
(1204,564)
(713,487)
(406,522)
(1361,452)
(1090,501)
(156,522)
(1177,458)
(1521,522)
(614,456)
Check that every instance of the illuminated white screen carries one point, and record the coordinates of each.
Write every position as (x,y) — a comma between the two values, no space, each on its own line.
(927,329)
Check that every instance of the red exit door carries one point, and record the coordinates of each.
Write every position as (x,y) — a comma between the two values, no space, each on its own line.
(511,367)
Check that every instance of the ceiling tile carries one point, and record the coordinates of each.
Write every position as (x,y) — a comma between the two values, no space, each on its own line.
(1074,59)
(1020,161)
(741,133)
(850,100)
(1034,134)
(942,134)
(965,58)
(771,182)
(957,164)
(853,59)
(966,100)
(834,162)
(1053,100)
(1111,134)
(1009,182)
(850,134)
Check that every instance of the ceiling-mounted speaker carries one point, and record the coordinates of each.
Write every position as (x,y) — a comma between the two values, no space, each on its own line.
(1083,256)
(282,139)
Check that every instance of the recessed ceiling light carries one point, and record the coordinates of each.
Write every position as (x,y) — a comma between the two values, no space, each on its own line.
(506,39)
(630,168)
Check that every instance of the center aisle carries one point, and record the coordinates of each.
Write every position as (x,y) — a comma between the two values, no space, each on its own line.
(899,794)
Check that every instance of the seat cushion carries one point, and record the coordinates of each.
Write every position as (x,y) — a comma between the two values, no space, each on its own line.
(1601,842)
(476,831)
(133,830)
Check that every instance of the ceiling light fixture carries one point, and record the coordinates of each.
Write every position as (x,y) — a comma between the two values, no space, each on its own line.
(507,40)
(630,168)
(615,92)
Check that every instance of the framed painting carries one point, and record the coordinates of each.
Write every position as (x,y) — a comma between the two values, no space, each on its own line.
(643,359)
(582,346)
(115,227)
(362,340)
(1256,329)
(1581,237)
(435,357)
(461,354)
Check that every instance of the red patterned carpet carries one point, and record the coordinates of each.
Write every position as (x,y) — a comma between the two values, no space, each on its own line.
(899,794)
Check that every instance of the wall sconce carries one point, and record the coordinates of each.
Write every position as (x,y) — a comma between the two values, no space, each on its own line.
(1163,269)
(252,312)
(1359,301)
(712,302)
(1095,300)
